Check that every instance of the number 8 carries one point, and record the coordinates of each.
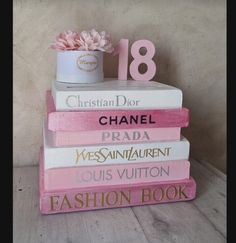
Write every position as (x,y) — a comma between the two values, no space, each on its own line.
(139,59)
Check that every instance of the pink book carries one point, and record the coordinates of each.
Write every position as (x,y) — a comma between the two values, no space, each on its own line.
(113,119)
(96,176)
(94,137)
(113,196)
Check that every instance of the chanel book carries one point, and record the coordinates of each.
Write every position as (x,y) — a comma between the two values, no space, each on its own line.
(105,154)
(113,196)
(115,94)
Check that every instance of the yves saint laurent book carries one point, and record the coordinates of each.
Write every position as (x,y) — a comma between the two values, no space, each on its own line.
(115,94)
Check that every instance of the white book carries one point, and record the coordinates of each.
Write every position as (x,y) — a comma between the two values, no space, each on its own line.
(115,94)
(56,157)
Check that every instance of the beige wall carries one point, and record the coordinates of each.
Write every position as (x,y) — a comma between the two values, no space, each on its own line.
(190,39)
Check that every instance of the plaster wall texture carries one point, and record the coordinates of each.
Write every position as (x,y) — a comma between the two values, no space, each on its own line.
(190,40)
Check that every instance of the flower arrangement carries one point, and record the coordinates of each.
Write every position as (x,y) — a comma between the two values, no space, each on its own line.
(80,55)
(85,41)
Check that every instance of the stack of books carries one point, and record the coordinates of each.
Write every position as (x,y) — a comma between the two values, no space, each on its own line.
(113,144)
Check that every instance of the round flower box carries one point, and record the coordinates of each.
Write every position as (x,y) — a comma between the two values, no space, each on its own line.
(80,55)
(80,66)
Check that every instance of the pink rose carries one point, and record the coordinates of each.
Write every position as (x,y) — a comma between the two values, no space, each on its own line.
(65,41)
(92,41)
(84,41)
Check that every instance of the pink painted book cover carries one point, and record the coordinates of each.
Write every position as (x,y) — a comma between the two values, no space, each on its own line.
(115,136)
(102,197)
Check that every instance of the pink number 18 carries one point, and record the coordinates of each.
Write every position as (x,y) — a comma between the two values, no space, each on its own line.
(122,50)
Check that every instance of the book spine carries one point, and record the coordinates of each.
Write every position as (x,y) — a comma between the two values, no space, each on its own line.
(119,99)
(65,178)
(93,198)
(114,153)
(63,138)
(85,176)
(114,119)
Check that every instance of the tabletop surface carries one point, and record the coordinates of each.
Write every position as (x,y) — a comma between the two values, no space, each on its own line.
(198,221)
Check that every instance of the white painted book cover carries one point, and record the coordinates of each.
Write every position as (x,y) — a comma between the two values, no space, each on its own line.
(115,94)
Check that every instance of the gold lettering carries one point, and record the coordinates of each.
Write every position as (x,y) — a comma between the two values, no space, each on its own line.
(103,157)
(93,199)
(146,193)
(162,152)
(103,199)
(104,154)
(127,197)
(85,62)
(162,194)
(181,192)
(52,202)
(168,151)
(66,202)
(80,201)
(109,200)
(83,154)
(77,157)
(168,196)
(150,152)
